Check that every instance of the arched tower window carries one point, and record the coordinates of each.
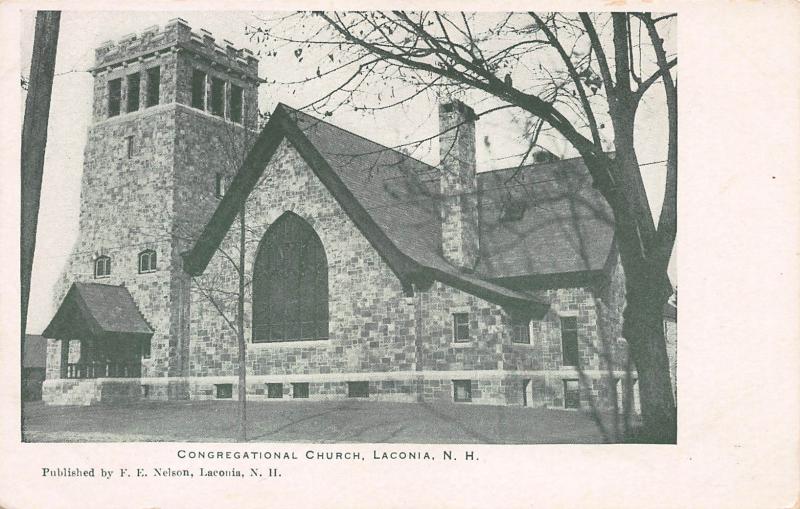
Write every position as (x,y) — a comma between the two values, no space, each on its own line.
(102,266)
(147,261)
(290,283)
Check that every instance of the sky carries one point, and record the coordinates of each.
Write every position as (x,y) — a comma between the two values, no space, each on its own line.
(70,112)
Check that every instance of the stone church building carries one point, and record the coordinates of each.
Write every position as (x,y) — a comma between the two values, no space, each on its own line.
(366,273)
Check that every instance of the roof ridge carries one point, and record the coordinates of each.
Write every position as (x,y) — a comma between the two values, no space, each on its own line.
(530,165)
(359,136)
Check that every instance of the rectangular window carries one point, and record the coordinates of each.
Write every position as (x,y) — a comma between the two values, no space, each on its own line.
(217,97)
(199,89)
(219,185)
(572,394)
(236,103)
(521,331)
(569,340)
(460,327)
(357,389)
(129,146)
(300,390)
(224,391)
(275,391)
(146,348)
(134,80)
(114,96)
(145,390)
(153,86)
(462,390)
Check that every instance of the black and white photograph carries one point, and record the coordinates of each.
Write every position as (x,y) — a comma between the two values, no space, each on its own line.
(386,226)
(388,238)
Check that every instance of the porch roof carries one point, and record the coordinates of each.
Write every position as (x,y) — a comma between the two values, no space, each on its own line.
(97,309)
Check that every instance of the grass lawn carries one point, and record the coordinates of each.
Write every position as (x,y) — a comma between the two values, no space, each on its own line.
(322,421)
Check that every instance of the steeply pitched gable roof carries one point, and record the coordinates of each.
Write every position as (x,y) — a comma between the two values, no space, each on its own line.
(97,309)
(567,226)
(392,198)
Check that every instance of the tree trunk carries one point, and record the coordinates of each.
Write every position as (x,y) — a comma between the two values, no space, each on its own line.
(34,140)
(240,335)
(644,331)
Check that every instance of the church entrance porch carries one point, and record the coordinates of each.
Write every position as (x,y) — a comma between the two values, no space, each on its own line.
(103,339)
(112,356)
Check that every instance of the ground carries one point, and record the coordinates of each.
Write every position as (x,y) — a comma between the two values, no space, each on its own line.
(319,422)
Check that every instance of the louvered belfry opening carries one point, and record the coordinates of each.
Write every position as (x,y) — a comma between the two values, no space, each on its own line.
(290,283)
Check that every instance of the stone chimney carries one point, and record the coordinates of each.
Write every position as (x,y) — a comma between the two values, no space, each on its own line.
(457,184)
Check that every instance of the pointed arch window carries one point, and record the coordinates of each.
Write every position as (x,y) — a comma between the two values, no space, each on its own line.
(102,266)
(147,261)
(290,284)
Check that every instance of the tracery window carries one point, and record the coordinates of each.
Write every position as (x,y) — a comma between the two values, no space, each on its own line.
(290,284)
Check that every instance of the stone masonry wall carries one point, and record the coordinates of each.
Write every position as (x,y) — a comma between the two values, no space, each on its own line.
(126,208)
(371,322)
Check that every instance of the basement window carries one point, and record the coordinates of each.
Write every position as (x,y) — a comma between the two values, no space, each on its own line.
(134,82)
(300,390)
(236,103)
(217,97)
(357,389)
(224,391)
(198,89)
(460,327)
(275,391)
(153,86)
(462,391)
(114,97)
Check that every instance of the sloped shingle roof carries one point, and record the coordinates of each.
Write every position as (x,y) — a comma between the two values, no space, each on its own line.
(392,198)
(567,226)
(97,309)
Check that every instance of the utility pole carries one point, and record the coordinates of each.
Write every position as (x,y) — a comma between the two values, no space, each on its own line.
(34,140)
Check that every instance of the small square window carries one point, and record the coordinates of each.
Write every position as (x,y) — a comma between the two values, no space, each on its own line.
(521,331)
(147,261)
(572,394)
(224,391)
(102,266)
(462,390)
(275,391)
(300,390)
(460,327)
(357,389)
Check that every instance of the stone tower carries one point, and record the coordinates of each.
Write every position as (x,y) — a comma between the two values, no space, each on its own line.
(173,115)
